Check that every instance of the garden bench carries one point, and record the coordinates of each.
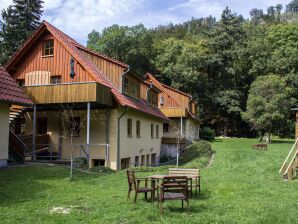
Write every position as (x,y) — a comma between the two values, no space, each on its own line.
(260,147)
(194,174)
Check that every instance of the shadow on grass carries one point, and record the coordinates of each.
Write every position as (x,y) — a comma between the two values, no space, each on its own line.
(22,184)
(204,195)
(178,209)
(286,141)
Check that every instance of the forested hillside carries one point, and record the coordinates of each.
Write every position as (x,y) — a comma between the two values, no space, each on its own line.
(217,61)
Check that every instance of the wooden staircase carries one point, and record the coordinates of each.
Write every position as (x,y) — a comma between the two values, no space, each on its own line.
(288,169)
(17,148)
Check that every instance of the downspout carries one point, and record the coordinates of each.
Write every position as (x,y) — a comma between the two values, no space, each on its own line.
(118,122)
(118,138)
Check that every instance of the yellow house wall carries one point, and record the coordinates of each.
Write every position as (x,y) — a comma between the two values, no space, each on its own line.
(144,145)
(103,129)
(4,130)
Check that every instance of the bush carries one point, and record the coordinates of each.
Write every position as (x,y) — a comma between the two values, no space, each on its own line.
(207,133)
(102,170)
(151,169)
(80,163)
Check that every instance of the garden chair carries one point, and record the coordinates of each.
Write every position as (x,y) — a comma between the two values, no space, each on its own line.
(134,185)
(173,188)
(192,174)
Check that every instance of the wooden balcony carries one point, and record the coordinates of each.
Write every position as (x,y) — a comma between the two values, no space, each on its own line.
(174,112)
(69,93)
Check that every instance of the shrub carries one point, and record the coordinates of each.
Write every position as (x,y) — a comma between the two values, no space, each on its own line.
(102,170)
(207,133)
(151,169)
(80,163)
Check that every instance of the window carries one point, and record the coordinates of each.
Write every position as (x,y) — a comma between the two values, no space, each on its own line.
(152,130)
(138,129)
(21,82)
(125,83)
(129,127)
(143,160)
(74,126)
(48,48)
(42,125)
(131,87)
(152,98)
(148,160)
(98,162)
(157,131)
(55,79)
(153,158)
(137,162)
(165,127)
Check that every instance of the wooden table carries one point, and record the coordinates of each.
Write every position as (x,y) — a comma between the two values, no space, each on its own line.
(156,177)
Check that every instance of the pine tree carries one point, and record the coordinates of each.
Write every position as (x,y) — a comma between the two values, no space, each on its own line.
(19,20)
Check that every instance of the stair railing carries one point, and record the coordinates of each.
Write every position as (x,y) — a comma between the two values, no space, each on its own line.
(284,164)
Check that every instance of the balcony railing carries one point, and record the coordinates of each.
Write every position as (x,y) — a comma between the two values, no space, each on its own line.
(69,93)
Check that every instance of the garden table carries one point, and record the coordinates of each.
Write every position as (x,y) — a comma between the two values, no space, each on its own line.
(156,177)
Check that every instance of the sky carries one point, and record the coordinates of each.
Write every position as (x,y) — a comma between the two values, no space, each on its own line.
(77,18)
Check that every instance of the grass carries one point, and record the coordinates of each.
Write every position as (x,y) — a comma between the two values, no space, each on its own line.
(241,186)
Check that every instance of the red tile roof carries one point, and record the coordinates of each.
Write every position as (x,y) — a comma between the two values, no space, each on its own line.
(10,92)
(74,49)
(137,105)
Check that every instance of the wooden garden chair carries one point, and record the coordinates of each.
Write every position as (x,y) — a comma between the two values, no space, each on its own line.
(134,185)
(173,188)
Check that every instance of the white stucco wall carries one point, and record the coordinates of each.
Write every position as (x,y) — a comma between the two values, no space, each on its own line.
(4,130)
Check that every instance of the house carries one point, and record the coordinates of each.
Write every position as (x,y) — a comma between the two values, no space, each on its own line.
(10,94)
(85,104)
(181,110)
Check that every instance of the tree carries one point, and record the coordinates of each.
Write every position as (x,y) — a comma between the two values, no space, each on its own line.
(18,21)
(132,45)
(292,6)
(71,127)
(269,102)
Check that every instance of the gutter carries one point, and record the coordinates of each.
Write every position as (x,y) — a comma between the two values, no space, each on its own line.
(118,138)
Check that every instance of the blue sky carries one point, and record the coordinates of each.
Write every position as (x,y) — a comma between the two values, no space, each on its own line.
(77,18)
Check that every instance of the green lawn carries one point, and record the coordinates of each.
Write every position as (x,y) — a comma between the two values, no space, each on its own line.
(241,186)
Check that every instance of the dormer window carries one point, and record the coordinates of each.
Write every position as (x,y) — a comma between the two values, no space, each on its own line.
(21,82)
(48,48)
